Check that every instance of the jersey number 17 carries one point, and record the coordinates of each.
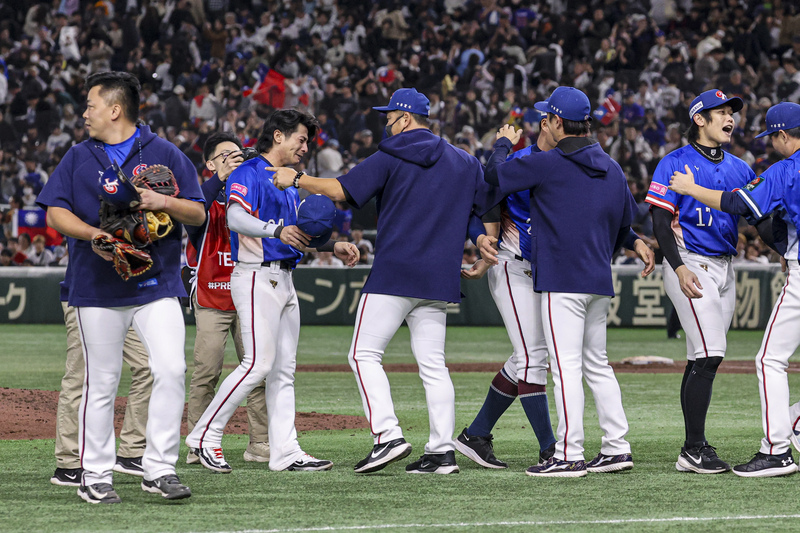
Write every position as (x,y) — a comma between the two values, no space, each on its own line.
(700,222)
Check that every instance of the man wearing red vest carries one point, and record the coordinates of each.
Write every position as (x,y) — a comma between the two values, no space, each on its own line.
(209,255)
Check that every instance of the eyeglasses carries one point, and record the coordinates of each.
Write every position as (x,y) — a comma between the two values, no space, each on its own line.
(224,155)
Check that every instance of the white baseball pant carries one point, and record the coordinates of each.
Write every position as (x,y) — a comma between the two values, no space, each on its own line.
(575,330)
(705,320)
(781,339)
(160,327)
(511,287)
(269,316)
(377,319)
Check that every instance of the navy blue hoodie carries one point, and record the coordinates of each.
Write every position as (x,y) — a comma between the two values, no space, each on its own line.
(425,190)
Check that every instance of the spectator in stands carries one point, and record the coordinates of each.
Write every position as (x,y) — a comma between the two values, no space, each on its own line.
(40,256)
(6,258)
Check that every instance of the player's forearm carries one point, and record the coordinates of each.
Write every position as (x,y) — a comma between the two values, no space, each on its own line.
(327,187)
(244,223)
(709,197)
(184,211)
(67,223)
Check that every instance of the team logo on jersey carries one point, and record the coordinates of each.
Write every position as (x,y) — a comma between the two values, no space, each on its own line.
(139,169)
(273,283)
(238,187)
(110,186)
(658,188)
(753,184)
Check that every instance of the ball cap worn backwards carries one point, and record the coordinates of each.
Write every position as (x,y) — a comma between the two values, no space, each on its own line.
(783,116)
(711,99)
(407,100)
(315,217)
(567,102)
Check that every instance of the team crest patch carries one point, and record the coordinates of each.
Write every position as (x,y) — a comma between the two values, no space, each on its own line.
(238,187)
(528,273)
(658,188)
(753,184)
(273,283)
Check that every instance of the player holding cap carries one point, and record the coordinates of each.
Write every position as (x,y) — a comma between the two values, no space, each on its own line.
(776,191)
(575,294)
(265,245)
(698,243)
(427,190)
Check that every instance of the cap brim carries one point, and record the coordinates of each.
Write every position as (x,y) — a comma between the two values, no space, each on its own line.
(316,242)
(764,134)
(543,106)
(383,108)
(736,104)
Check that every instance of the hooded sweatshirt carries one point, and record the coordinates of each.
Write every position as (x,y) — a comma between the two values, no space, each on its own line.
(581,210)
(425,190)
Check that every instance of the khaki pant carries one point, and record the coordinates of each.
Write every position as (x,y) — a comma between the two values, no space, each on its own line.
(132,436)
(213,326)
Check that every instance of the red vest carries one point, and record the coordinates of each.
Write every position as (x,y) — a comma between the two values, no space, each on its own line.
(214,265)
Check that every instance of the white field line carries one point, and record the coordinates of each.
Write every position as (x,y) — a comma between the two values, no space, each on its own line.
(524,523)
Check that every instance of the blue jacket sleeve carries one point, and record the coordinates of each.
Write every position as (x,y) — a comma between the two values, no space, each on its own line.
(210,190)
(475,228)
(501,149)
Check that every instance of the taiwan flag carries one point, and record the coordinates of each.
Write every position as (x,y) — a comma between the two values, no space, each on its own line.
(608,111)
(34,222)
(270,88)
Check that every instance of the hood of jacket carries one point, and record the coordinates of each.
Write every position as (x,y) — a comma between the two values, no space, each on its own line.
(592,159)
(419,146)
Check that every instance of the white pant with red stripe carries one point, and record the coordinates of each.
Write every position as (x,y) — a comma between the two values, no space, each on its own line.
(575,330)
(269,316)
(160,327)
(781,339)
(377,319)
(511,287)
(705,320)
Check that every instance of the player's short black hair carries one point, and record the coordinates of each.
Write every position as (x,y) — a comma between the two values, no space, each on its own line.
(794,132)
(286,121)
(693,133)
(216,139)
(119,88)
(574,127)
(422,120)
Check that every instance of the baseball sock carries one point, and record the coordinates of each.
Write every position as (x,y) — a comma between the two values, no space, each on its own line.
(686,372)
(534,401)
(697,398)
(501,395)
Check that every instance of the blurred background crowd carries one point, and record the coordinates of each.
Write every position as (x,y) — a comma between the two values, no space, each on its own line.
(210,65)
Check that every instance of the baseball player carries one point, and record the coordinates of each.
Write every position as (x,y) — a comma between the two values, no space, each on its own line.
(698,243)
(132,436)
(574,295)
(776,191)
(214,311)
(412,171)
(265,246)
(106,306)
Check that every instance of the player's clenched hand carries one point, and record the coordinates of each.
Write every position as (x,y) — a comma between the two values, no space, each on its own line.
(509,132)
(229,164)
(477,271)
(283,177)
(488,247)
(347,252)
(108,256)
(151,200)
(681,182)
(690,285)
(645,254)
(294,237)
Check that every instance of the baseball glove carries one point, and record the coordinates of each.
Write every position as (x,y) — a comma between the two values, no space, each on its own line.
(125,224)
(128,261)
(159,224)
(157,178)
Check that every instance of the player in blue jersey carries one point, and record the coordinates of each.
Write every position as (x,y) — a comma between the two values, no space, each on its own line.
(776,191)
(575,294)
(698,243)
(266,245)
(106,306)
(426,190)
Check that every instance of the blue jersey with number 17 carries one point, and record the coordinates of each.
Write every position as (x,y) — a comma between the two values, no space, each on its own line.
(697,227)
(251,187)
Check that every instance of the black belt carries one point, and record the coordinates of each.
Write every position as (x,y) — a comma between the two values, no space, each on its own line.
(285,265)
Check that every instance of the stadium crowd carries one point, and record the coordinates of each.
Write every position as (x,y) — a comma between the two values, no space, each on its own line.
(221,65)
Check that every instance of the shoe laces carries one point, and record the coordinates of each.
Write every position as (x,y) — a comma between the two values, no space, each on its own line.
(172,479)
(218,453)
(708,451)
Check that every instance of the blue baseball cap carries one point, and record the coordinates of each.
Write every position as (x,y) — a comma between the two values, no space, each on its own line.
(783,116)
(315,217)
(711,99)
(568,103)
(407,100)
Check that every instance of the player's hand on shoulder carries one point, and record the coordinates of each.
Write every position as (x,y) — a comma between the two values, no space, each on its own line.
(488,248)
(347,252)
(690,285)
(229,164)
(477,271)
(682,182)
(509,132)
(294,237)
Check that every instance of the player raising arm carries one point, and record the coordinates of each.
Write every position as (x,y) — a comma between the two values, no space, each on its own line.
(776,191)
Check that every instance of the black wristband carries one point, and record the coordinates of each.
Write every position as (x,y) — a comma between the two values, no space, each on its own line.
(296,181)
(278,231)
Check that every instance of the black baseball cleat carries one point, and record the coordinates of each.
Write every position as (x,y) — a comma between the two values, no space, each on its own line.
(67,477)
(129,465)
(479,449)
(610,463)
(169,486)
(545,455)
(434,463)
(702,460)
(763,465)
(557,468)
(309,463)
(99,493)
(382,455)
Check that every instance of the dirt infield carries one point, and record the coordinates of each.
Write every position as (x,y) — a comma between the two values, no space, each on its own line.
(31,414)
